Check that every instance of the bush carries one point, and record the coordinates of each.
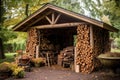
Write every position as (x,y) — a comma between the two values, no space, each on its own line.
(38,61)
(5,67)
(12,67)
(17,71)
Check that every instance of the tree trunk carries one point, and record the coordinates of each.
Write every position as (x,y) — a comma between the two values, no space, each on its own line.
(1,50)
(26,10)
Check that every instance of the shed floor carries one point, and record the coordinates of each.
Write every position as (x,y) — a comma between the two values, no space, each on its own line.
(45,73)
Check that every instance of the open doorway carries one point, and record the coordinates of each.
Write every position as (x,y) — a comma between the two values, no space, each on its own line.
(57,45)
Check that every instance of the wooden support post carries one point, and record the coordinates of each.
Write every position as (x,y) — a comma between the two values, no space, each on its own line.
(91,37)
(53,18)
(37,51)
(48,60)
(77,70)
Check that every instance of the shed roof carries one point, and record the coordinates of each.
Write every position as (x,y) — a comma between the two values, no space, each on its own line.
(38,15)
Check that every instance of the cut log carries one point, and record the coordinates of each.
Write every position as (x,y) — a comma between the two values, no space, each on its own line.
(84,49)
(32,42)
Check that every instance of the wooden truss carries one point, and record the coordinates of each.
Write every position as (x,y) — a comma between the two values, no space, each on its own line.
(54,19)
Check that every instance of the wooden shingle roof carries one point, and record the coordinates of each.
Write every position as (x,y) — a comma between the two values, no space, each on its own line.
(38,15)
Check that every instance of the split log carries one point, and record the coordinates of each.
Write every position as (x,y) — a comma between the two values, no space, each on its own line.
(87,50)
(84,50)
(32,42)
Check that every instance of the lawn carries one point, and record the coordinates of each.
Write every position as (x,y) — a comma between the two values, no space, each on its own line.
(115,50)
(9,57)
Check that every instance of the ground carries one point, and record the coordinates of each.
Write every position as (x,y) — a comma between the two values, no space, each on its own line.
(45,73)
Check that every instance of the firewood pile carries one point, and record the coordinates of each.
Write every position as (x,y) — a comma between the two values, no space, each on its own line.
(32,42)
(101,44)
(86,54)
(45,44)
(84,50)
(67,55)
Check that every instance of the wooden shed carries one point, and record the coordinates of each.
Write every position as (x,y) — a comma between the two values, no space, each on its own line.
(52,28)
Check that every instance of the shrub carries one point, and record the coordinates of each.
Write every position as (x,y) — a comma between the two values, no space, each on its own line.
(17,71)
(38,61)
(5,67)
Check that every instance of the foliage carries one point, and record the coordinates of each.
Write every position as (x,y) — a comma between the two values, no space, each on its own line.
(109,54)
(114,14)
(7,34)
(72,5)
(38,60)
(5,67)
(9,57)
(102,10)
(12,12)
(17,71)
(115,50)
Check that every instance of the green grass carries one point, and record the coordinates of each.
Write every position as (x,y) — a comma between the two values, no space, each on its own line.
(115,50)
(9,57)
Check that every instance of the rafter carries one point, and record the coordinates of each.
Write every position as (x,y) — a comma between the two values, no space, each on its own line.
(35,21)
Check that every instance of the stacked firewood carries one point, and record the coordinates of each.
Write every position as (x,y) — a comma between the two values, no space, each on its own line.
(32,42)
(46,44)
(107,42)
(84,50)
(101,43)
(67,55)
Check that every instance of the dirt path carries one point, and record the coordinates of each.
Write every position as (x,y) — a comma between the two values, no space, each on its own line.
(44,73)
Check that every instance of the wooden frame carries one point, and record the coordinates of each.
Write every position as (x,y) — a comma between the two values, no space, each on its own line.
(53,20)
(58,25)
(91,36)
(54,8)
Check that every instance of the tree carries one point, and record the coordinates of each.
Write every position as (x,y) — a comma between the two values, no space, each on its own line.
(15,11)
(114,14)
(72,5)
(1,21)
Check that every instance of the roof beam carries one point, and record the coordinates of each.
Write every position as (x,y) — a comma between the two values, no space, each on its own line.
(59,25)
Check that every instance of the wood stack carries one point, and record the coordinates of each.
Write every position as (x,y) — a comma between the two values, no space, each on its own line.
(32,42)
(84,50)
(46,44)
(67,54)
(107,42)
(101,43)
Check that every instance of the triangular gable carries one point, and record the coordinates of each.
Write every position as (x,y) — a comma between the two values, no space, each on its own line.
(35,17)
